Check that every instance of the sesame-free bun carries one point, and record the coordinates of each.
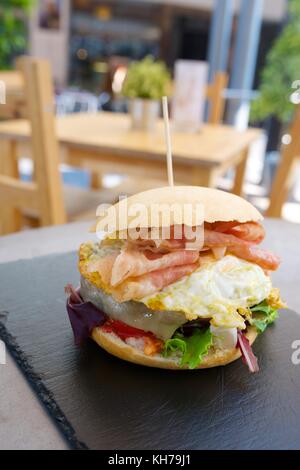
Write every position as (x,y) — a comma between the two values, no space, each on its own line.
(208,205)
(115,346)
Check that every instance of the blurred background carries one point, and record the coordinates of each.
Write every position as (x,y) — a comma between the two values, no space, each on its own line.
(230,68)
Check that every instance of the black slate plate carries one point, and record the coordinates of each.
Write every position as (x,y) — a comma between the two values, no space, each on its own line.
(101,402)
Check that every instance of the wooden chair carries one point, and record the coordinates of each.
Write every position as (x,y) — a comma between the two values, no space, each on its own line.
(285,172)
(215,97)
(14,106)
(42,201)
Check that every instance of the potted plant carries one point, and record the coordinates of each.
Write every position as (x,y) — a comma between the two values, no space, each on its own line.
(13,30)
(280,78)
(145,83)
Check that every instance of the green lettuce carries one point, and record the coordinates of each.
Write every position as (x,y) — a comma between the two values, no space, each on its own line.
(264,315)
(192,348)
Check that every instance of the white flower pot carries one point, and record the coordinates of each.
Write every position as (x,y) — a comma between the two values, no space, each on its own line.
(144,113)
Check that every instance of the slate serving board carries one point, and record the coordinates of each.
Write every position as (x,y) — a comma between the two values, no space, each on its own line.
(100,402)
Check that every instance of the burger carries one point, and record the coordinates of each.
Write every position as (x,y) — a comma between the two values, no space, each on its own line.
(190,289)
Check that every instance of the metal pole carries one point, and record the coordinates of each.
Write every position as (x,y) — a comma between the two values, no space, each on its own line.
(244,58)
(219,38)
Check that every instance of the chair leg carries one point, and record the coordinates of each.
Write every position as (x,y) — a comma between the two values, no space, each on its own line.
(30,221)
(285,174)
(240,173)
(96,180)
(10,217)
(282,183)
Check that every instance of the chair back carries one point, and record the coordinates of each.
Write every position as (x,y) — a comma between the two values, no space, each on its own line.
(215,97)
(13,106)
(44,194)
(285,172)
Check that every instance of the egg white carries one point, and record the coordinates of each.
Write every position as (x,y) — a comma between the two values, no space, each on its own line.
(215,291)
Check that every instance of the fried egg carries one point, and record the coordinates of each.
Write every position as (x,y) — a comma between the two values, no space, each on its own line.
(216,290)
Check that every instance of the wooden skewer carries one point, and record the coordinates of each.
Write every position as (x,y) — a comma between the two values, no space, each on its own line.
(168,140)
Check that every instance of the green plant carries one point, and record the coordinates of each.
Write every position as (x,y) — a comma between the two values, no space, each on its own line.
(281,70)
(147,79)
(13,29)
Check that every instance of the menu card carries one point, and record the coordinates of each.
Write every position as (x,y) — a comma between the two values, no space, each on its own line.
(188,105)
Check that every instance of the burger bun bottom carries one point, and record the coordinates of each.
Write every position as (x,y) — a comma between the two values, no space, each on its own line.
(117,347)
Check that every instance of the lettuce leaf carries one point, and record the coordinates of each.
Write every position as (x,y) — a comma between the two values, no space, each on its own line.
(83,316)
(264,315)
(192,348)
(248,356)
(173,346)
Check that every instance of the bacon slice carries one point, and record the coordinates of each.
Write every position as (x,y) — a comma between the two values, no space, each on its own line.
(145,266)
(188,238)
(213,239)
(169,245)
(158,246)
(133,263)
(263,258)
(221,226)
(240,240)
(139,287)
(249,231)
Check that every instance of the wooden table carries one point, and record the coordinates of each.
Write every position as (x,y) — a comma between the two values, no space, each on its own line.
(105,141)
(29,427)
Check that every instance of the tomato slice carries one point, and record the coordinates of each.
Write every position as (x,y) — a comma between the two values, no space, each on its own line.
(152,344)
(124,331)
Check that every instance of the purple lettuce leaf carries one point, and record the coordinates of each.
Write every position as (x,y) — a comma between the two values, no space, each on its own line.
(83,316)
(248,356)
